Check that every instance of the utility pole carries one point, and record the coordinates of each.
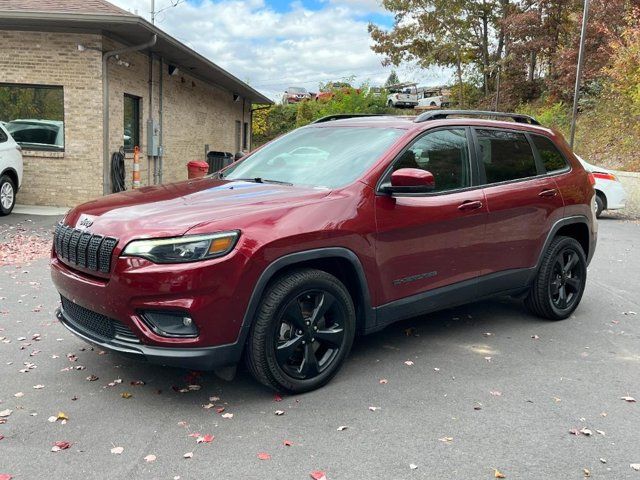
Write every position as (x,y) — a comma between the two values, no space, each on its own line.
(576,94)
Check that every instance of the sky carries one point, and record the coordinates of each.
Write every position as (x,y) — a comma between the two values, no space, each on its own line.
(274,44)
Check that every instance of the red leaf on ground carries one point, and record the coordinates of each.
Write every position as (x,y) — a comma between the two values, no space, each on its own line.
(277,398)
(318,475)
(5,476)
(264,456)
(287,443)
(57,446)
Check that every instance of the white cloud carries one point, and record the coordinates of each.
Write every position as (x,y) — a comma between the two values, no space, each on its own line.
(272,50)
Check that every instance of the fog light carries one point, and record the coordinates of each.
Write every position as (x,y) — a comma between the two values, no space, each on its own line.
(170,324)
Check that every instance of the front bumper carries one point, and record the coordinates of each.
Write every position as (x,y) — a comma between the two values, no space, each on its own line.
(203,358)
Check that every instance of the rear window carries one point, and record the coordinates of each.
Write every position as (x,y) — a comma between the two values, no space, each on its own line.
(551,157)
(506,155)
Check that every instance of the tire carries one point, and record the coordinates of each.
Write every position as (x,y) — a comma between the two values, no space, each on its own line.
(390,104)
(563,269)
(599,205)
(283,333)
(7,195)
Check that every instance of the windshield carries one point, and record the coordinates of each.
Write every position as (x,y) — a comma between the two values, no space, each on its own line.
(319,157)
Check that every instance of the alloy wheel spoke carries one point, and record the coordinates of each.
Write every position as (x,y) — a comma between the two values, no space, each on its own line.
(293,313)
(332,336)
(574,283)
(325,302)
(562,297)
(285,350)
(573,259)
(309,367)
(555,287)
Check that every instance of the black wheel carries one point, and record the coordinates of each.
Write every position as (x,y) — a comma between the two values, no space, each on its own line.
(303,332)
(7,195)
(559,284)
(599,205)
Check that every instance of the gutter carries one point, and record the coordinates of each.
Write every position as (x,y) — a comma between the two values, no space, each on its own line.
(106,177)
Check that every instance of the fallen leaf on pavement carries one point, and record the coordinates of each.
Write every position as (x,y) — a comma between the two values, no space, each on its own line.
(264,456)
(5,476)
(373,409)
(498,474)
(5,413)
(279,412)
(150,458)
(318,475)
(635,466)
(92,378)
(574,431)
(628,399)
(413,466)
(287,443)
(342,427)
(57,446)
(227,415)
(126,395)
(586,431)
(587,472)
(384,381)
(446,439)
(38,387)
(188,455)
(495,393)
(204,439)
(117,450)
(408,362)
(277,398)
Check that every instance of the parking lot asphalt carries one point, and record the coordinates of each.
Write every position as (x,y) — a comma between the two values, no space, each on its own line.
(459,394)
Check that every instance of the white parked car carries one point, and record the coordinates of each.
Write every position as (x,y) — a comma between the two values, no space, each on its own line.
(610,194)
(10,171)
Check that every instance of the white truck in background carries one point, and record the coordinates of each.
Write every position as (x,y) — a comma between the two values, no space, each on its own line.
(402,95)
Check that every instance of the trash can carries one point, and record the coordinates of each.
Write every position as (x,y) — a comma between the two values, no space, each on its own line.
(197,169)
(218,160)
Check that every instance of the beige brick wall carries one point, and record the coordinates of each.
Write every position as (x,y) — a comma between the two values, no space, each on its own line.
(67,178)
(195,113)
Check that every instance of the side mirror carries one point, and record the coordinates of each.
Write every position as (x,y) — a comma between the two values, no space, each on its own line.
(410,180)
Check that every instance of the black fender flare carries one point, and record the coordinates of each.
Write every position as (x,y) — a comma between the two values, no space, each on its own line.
(563,222)
(298,257)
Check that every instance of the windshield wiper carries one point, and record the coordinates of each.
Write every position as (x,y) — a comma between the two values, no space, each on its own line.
(260,180)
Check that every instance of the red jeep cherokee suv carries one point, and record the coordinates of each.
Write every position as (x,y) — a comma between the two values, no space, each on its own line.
(337,228)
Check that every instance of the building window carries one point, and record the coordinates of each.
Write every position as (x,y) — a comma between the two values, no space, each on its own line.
(245,136)
(33,115)
(131,122)
(238,133)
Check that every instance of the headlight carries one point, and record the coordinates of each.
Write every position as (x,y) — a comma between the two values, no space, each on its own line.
(189,248)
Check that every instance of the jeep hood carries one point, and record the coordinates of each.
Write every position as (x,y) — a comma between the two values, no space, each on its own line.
(173,209)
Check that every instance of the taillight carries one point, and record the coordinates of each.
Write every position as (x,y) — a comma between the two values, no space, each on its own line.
(605,176)
(592,179)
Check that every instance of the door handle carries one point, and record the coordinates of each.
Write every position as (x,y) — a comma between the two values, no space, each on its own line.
(552,192)
(470,205)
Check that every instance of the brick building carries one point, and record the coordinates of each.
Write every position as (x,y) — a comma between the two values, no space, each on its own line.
(82,79)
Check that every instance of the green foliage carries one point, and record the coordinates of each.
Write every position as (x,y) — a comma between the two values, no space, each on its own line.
(392,79)
(556,115)
(279,119)
(471,95)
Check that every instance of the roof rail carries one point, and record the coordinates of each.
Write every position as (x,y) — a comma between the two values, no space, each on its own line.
(342,116)
(443,114)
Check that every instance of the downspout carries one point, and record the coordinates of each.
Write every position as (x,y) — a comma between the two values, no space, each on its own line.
(161,152)
(150,124)
(106,179)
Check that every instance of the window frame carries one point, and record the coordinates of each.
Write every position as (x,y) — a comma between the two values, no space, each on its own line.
(33,147)
(473,165)
(567,168)
(138,102)
(540,171)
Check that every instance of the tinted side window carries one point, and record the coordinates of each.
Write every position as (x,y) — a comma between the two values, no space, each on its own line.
(551,157)
(445,154)
(3,136)
(506,155)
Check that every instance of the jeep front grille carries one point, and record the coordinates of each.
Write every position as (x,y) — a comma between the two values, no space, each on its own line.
(83,249)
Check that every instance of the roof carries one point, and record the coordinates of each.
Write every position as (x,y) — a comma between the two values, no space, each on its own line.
(100,16)
(63,6)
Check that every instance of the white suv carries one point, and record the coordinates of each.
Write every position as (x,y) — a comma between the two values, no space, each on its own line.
(10,170)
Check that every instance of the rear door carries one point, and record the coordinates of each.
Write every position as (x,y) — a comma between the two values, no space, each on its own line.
(523,202)
(426,241)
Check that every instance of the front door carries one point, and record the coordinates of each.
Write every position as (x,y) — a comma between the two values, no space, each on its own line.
(426,241)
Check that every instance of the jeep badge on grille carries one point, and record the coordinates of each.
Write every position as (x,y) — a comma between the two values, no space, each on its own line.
(86,222)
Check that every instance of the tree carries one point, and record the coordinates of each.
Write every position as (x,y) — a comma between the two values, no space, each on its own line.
(392,79)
